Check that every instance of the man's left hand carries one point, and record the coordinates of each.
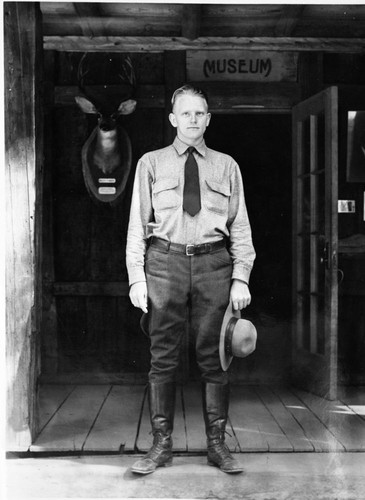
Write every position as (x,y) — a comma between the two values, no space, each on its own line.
(240,295)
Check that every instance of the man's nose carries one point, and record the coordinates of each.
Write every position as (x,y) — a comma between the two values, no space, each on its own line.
(193,117)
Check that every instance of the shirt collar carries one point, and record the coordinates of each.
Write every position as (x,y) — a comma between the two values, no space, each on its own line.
(181,147)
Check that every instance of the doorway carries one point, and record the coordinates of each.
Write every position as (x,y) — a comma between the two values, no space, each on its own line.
(261,145)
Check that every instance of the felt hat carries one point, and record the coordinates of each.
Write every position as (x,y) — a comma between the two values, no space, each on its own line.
(144,324)
(237,338)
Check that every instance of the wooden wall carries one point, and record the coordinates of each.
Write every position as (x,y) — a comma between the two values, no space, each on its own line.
(90,326)
(23,166)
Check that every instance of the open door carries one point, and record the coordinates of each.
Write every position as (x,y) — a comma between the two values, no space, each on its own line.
(315,298)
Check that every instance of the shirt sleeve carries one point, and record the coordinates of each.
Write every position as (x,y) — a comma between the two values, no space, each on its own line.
(141,214)
(241,246)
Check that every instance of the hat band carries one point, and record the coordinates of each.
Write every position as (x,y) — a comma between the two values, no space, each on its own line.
(229,334)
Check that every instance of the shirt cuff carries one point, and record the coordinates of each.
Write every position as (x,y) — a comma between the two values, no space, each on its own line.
(241,272)
(136,275)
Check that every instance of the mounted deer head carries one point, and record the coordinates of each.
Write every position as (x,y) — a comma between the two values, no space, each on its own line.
(107,153)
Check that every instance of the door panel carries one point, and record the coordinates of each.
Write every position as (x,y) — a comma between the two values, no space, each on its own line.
(315,156)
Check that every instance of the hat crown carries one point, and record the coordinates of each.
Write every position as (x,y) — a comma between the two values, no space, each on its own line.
(238,337)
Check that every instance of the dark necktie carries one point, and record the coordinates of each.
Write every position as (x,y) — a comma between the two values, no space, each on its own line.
(191,199)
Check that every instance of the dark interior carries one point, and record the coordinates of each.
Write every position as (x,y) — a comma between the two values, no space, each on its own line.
(261,145)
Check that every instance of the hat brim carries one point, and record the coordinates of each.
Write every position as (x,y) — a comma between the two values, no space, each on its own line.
(144,324)
(225,358)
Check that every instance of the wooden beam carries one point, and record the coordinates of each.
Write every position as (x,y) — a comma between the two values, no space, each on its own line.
(49,335)
(191,20)
(23,166)
(147,96)
(224,96)
(288,20)
(239,97)
(114,26)
(84,11)
(160,44)
(92,288)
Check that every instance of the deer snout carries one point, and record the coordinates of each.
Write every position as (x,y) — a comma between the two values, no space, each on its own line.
(107,124)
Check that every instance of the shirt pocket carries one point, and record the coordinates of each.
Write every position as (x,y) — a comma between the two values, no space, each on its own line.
(165,194)
(217,197)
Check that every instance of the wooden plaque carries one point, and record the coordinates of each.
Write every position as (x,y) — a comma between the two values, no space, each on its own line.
(244,66)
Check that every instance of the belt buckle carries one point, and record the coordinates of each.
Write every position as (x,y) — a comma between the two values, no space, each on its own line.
(187,250)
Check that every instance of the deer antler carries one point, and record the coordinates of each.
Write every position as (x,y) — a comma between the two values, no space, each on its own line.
(82,72)
(128,75)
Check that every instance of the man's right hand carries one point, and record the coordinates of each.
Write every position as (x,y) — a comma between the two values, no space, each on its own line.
(138,295)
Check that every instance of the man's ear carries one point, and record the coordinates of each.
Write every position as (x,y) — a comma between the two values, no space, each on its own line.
(209,116)
(172,119)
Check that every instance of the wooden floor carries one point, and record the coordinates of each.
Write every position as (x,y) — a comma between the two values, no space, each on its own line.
(114,418)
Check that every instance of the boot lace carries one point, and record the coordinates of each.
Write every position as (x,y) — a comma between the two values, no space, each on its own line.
(161,445)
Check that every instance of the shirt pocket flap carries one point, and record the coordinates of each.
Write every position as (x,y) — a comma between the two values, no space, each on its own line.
(165,184)
(218,187)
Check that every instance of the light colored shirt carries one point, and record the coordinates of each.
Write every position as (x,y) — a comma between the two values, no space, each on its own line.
(156,208)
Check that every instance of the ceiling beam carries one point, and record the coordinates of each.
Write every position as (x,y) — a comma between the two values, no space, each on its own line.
(85,11)
(110,26)
(160,44)
(190,21)
(289,18)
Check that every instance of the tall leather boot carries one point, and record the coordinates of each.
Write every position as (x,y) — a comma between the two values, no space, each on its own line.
(162,408)
(215,410)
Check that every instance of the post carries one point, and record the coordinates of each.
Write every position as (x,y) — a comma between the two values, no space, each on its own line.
(23,166)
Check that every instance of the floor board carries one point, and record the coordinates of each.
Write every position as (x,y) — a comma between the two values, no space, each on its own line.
(70,426)
(320,437)
(285,420)
(347,427)
(51,397)
(115,418)
(115,427)
(244,410)
(354,398)
(195,427)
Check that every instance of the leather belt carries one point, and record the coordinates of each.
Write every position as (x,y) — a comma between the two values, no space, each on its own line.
(189,250)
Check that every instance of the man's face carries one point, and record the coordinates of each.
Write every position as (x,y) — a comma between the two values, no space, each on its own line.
(190,116)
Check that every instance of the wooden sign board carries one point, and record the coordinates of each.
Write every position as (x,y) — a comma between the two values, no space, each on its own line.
(242,66)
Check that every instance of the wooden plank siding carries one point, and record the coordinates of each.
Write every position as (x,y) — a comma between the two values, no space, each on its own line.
(97,328)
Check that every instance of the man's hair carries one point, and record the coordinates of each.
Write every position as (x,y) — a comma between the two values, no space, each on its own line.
(188,89)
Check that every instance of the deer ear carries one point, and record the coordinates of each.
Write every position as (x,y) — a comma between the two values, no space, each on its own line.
(127,107)
(86,105)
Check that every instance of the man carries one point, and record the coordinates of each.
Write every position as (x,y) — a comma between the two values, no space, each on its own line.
(189,246)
